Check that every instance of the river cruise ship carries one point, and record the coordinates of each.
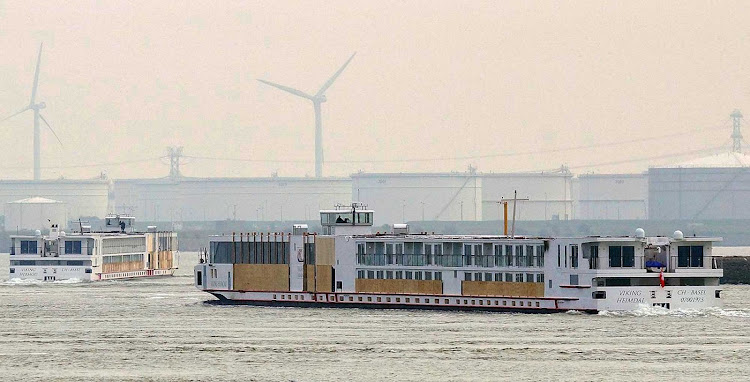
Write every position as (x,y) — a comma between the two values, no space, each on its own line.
(117,252)
(348,265)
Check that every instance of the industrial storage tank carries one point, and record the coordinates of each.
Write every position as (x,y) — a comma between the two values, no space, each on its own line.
(402,197)
(34,214)
(82,197)
(709,188)
(180,199)
(543,195)
(611,197)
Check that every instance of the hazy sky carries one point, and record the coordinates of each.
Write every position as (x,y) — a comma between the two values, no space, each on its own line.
(455,83)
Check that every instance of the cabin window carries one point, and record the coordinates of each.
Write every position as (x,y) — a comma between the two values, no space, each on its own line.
(418,275)
(621,256)
(509,255)
(573,279)
(467,276)
(488,277)
(73,247)
(499,258)
(28,247)
(529,277)
(540,277)
(477,276)
(438,276)
(409,275)
(379,275)
(360,274)
(509,277)
(487,259)
(690,256)
(529,258)
(389,275)
(594,257)
(539,254)
(498,276)
(370,274)
(519,260)
(399,275)
(519,277)
(428,276)
(559,262)
(467,255)
(574,256)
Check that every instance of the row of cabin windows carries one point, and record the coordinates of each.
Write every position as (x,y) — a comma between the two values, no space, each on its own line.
(253,252)
(122,258)
(450,254)
(50,262)
(620,256)
(399,275)
(507,277)
(623,256)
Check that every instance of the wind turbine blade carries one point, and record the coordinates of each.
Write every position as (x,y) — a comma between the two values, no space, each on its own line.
(15,114)
(36,75)
(287,89)
(333,78)
(50,128)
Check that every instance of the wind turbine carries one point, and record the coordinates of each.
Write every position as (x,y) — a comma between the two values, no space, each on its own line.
(316,99)
(36,107)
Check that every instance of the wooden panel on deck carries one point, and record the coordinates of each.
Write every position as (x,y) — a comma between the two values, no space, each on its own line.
(398,286)
(324,278)
(325,251)
(261,277)
(502,288)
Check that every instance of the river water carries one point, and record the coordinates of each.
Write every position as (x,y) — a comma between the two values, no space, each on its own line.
(161,330)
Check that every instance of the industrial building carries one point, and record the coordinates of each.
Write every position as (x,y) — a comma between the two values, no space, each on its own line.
(714,187)
(34,214)
(611,197)
(178,199)
(82,198)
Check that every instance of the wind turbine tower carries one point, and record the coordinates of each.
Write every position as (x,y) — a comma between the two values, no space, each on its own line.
(36,107)
(317,100)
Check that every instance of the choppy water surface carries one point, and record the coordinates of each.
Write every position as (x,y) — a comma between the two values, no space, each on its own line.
(161,330)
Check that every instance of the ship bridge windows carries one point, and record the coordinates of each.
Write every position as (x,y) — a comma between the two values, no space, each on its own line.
(28,247)
(621,256)
(73,247)
(690,256)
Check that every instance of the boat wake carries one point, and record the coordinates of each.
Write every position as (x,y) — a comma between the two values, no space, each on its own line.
(655,311)
(21,282)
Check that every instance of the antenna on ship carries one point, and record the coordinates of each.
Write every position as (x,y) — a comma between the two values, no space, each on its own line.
(36,107)
(317,100)
(505,214)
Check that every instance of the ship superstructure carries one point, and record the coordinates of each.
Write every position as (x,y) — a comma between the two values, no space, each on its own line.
(115,253)
(350,266)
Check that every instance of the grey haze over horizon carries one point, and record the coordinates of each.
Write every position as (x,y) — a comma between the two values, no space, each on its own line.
(503,86)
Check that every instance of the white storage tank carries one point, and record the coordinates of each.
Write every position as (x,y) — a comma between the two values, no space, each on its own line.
(611,197)
(34,213)
(709,188)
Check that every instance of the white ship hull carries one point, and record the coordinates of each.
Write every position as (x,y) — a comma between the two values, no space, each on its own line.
(622,299)
(59,273)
